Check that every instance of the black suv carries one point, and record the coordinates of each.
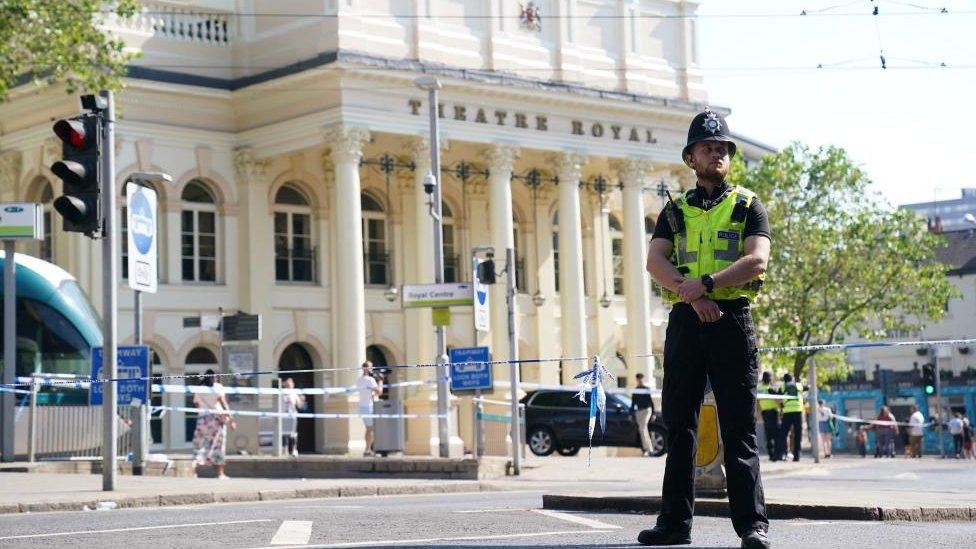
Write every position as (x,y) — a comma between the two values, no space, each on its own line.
(556,420)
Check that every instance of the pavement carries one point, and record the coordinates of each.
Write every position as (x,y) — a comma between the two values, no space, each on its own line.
(946,488)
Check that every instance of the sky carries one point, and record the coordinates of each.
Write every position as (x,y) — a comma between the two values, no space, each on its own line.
(908,126)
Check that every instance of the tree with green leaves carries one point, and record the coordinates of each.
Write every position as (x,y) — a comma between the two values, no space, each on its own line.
(61,41)
(844,263)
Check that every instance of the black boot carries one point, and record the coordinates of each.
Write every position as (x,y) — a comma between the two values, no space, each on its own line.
(662,536)
(756,539)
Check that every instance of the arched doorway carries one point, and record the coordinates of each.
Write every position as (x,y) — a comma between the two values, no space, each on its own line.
(198,361)
(296,357)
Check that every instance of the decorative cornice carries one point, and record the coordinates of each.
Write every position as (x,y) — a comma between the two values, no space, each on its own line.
(633,171)
(346,142)
(569,166)
(500,158)
(10,166)
(247,166)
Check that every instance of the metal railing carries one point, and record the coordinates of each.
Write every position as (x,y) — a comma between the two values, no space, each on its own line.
(64,431)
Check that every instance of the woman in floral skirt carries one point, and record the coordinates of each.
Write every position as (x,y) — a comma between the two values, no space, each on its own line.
(210,436)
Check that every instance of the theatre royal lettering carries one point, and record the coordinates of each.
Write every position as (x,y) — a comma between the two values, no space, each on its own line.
(537,122)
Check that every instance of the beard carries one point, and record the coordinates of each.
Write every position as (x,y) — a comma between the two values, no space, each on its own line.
(715,173)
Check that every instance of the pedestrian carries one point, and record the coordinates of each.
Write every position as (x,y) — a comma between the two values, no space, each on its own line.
(955,429)
(885,430)
(916,426)
(825,419)
(792,416)
(861,440)
(291,402)
(369,389)
(710,255)
(642,407)
(967,438)
(213,418)
(769,408)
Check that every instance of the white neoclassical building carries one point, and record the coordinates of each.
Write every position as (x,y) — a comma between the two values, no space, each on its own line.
(297,142)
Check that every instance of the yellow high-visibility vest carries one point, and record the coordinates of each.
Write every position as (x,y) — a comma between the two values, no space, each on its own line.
(713,240)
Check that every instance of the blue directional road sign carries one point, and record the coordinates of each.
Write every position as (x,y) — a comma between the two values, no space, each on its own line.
(133,364)
(470,369)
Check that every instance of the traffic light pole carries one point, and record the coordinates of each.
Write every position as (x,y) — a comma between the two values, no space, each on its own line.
(938,402)
(109,294)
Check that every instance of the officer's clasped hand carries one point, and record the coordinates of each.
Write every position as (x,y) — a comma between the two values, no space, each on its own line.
(691,289)
(706,309)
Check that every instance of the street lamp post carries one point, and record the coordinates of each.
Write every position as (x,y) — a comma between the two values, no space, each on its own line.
(432,188)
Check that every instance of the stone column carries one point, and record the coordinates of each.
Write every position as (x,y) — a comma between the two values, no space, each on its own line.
(500,159)
(633,172)
(573,318)
(348,287)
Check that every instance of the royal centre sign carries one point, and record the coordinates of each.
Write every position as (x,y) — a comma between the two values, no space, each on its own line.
(437,295)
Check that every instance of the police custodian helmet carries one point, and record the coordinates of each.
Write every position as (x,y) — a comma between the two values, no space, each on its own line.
(708,126)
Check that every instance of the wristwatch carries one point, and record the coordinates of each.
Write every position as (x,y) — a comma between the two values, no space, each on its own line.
(709,283)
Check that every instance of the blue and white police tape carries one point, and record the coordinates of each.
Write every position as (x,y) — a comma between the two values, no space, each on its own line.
(209,389)
(823,347)
(879,422)
(310,415)
(591,381)
(15,391)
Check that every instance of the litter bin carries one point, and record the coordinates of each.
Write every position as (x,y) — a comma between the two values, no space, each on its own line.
(388,431)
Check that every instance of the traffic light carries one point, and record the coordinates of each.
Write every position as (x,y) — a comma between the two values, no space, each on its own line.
(78,168)
(928,378)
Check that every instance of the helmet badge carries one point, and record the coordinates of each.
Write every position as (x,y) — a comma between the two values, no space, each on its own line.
(711,123)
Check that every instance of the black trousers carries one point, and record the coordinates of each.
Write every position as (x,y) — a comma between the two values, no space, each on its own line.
(771,428)
(792,421)
(725,351)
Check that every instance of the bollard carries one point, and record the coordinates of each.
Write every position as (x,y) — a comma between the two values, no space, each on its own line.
(479,410)
(277,422)
(32,425)
(140,437)
(709,476)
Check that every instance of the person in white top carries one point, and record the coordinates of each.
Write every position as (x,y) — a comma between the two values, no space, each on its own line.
(824,415)
(291,403)
(916,425)
(955,429)
(369,388)
(210,435)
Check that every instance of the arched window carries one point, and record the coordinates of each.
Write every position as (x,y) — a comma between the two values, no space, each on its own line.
(156,372)
(452,262)
(519,253)
(198,229)
(617,253)
(46,249)
(380,358)
(555,247)
(376,257)
(294,253)
(198,361)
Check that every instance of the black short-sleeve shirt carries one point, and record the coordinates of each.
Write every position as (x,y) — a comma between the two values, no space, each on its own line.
(757,223)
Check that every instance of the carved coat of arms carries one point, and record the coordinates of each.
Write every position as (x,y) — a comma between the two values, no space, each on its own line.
(530,18)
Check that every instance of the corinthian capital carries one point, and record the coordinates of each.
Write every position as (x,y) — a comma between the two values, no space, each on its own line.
(247,166)
(569,166)
(633,171)
(346,142)
(500,158)
(10,164)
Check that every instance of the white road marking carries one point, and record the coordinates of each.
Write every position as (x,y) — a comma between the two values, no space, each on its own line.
(325,507)
(293,532)
(433,540)
(191,525)
(576,519)
(500,510)
(907,476)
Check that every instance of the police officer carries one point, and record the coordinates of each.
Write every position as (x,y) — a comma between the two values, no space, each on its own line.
(710,255)
(769,408)
(792,415)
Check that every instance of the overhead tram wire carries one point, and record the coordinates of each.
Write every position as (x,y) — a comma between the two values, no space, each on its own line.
(919,10)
